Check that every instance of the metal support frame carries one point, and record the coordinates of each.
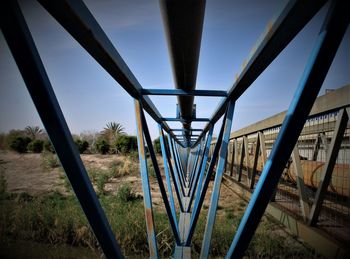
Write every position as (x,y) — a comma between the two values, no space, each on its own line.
(185,119)
(200,198)
(24,51)
(241,161)
(181,92)
(303,199)
(316,70)
(255,161)
(76,18)
(185,170)
(173,172)
(146,188)
(166,170)
(234,152)
(214,201)
(247,158)
(167,206)
(197,187)
(316,147)
(326,175)
(176,170)
(292,19)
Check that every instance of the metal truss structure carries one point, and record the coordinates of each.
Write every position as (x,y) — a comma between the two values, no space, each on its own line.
(187,166)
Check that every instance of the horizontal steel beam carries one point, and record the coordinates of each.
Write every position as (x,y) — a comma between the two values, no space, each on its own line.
(186,129)
(180,92)
(290,22)
(189,135)
(185,120)
(76,18)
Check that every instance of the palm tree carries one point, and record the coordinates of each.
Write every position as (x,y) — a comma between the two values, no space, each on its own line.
(112,131)
(33,131)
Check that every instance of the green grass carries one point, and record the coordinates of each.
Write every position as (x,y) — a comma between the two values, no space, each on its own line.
(55,220)
(50,161)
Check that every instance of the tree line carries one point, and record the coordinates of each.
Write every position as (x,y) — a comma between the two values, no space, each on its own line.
(111,140)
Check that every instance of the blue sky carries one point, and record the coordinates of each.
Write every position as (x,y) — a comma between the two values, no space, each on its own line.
(90,98)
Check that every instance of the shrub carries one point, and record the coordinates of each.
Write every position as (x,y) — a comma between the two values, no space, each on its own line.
(48,146)
(50,161)
(2,141)
(133,156)
(101,181)
(20,144)
(36,146)
(11,136)
(102,146)
(125,193)
(82,145)
(126,144)
(3,183)
(156,145)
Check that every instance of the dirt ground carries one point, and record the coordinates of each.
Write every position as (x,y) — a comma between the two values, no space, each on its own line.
(26,173)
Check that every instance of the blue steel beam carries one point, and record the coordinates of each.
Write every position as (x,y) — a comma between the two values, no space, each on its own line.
(173,172)
(148,139)
(214,201)
(146,188)
(185,130)
(201,170)
(167,175)
(194,169)
(293,18)
(176,168)
(179,166)
(24,51)
(183,155)
(320,60)
(76,18)
(180,92)
(190,135)
(184,119)
(200,198)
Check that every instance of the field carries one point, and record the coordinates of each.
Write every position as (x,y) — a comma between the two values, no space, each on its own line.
(41,218)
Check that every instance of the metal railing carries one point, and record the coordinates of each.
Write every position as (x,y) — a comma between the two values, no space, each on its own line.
(302,189)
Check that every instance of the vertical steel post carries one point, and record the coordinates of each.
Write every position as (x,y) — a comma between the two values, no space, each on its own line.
(214,201)
(255,161)
(199,163)
(199,201)
(316,70)
(179,169)
(180,165)
(148,139)
(167,176)
(23,49)
(176,169)
(193,169)
(146,188)
(174,175)
(234,151)
(201,172)
(327,171)
(303,199)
